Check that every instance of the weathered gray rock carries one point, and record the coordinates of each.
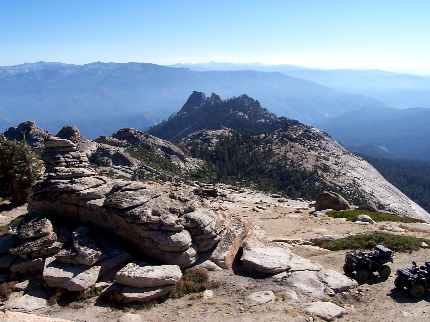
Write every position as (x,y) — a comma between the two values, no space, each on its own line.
(41,247)
(205,227)
(331,200)
(29,302)
(112,263)
(140,276)
(336,281)
(306,283)
(125,294)
(325,310)
(70,277)
(157,222)
(35,228)
(269,260)
(265,260)
(262,297)
(231,239)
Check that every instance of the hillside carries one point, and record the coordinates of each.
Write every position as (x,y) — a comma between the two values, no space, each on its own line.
(137,94)
(283,151)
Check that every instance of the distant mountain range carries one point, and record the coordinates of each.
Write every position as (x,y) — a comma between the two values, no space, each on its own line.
(393,89)
(101,97)
(354,106)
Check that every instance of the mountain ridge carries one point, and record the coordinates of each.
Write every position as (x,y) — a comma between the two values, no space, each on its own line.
(52,93)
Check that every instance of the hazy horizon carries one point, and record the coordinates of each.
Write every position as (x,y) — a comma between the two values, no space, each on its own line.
(225,63)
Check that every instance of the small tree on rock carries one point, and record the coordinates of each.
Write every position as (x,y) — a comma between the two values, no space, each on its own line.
(19,170)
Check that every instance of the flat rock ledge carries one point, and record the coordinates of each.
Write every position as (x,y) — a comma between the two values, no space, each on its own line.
(137,283)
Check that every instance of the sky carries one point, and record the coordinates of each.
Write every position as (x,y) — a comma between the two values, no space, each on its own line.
(391,35)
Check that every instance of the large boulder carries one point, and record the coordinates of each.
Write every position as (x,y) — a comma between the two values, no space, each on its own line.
(231,240)
(138,275)
(270,260)
(331,200)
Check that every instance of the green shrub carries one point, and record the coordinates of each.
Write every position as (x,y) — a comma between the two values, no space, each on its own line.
(398,243)
(375,215)
(19,170)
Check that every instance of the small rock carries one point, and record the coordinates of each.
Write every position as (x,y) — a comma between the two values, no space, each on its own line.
(9,316)
(130,317)
(22,286)
(28,302)
(136,275)
(209,265)
(336,281)
(325,310)
(307,283)
(262,297)
(208,294)
(424,245)
(364,219)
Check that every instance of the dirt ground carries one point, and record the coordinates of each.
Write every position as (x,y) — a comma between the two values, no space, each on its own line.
(288,222)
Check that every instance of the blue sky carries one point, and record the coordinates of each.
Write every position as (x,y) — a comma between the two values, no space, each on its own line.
(392,35)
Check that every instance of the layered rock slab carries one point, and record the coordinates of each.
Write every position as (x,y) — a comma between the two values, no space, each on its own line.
(155,222)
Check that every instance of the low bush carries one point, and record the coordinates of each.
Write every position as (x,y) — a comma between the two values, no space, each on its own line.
(398,243)
(194,280)
(375,215)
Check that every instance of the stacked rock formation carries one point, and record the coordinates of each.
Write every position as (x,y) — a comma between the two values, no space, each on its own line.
(165,226)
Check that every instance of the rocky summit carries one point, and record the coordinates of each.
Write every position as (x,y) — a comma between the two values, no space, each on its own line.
(299,158)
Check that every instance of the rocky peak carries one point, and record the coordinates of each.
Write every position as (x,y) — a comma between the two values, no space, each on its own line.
(29,132)
(213,113)
(195,100)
